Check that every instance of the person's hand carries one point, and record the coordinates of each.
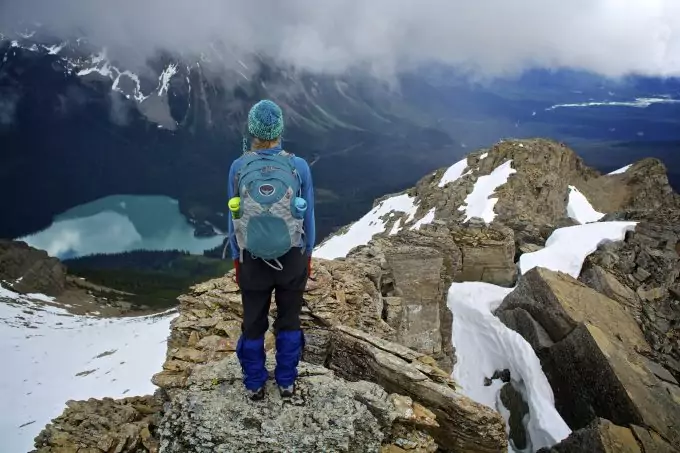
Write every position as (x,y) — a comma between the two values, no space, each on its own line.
(309,265)
(236,271)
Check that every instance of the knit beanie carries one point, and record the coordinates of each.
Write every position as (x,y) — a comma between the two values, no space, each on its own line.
(265,120)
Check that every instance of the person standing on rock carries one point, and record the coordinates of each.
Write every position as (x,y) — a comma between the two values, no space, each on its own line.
(272,235)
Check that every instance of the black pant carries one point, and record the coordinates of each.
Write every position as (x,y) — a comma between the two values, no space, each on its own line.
(258,280)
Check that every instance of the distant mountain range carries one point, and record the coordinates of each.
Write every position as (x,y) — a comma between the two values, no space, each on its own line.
(76,125)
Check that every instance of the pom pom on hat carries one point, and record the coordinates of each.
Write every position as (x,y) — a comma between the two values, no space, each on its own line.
(265,120)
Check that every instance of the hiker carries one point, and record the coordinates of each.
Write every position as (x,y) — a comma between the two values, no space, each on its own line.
(272,235)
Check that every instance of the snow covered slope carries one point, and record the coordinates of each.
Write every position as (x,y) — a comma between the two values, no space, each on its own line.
(361,232)
(484,344)
(54,357)
(412,212)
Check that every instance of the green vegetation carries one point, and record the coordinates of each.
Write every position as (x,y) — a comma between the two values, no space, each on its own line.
(155,278)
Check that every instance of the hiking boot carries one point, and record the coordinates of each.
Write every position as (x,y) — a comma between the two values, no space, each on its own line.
(256,395)
(287,392)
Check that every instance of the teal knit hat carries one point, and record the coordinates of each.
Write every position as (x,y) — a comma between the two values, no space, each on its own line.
(265,120)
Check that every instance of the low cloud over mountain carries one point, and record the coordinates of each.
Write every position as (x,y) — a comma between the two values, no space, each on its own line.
(494,37)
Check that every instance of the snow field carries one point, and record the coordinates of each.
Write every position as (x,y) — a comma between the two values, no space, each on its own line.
(52,356)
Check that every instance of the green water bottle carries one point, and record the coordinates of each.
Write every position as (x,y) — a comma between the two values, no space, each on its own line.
(235,207)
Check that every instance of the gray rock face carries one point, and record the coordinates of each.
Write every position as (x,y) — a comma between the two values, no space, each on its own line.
(591,351)
(413,272)
(213,414)
(488,253)
(28,270)
(642,273)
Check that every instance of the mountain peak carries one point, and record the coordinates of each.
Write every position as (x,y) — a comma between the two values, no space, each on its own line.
(529,181)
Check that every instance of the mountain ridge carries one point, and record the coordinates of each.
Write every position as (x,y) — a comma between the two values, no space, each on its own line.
(379,313)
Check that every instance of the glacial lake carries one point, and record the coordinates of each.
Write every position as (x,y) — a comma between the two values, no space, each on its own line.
(121,223)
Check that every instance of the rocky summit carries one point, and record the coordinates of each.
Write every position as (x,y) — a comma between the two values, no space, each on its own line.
(377,368)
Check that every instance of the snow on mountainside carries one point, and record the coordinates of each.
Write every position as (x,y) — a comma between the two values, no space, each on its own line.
(537,181)
(640,103)
(56,356)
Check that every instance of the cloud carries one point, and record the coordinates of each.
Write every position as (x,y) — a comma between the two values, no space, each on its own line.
(487,37)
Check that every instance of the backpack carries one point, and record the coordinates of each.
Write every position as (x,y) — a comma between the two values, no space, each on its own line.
(268,225)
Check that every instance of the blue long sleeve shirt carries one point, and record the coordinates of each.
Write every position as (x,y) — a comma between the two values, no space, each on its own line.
(307,189)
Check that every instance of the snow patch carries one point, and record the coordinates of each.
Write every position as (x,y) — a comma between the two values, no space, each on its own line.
(54,50)
(566,248)
(453,173)
(637,103)
(396,227)
(620,170)
(478,202)
(427,219)
(137,94)
(363,230)
(165,77)
(104,71)
(580,209)
(483,156)
(63,357)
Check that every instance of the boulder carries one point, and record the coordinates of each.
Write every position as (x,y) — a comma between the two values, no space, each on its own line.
(602,436)
(28,270)
(590,349)
(101,426)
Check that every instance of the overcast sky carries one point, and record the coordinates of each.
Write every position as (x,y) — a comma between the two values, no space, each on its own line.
(611,37)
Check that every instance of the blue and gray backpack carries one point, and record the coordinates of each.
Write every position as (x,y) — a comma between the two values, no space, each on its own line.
(269,224)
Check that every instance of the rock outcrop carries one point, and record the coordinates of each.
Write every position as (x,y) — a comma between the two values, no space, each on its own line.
(327,414)
(27,270)
(346,332)
(593,354)
(642,273)
(358,390)
(415,405)
(107,425)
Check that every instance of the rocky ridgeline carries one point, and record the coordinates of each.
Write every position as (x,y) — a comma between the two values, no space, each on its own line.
(24,269)
(376,371)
